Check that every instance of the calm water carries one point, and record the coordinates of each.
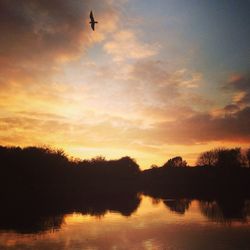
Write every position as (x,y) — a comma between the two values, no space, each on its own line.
(156,224)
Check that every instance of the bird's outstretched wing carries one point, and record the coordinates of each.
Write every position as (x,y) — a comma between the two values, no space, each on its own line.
(91,16)
(92,20)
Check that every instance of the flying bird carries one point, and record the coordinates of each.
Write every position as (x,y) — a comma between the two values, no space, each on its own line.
(92,20)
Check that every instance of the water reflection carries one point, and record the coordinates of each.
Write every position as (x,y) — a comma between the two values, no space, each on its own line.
(134,222)
(31,220)
(30,223)
(226,211)
(179,206)
(36,217)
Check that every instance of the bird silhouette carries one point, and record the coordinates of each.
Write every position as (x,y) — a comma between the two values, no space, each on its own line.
(92,20)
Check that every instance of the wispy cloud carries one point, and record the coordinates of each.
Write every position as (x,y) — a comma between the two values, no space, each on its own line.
(110,91)
(37,36)
(124,45)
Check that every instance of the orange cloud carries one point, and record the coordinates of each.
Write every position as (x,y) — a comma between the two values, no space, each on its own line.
(37,36)
(203,128)
(125,45)
(239,85)
(52,92)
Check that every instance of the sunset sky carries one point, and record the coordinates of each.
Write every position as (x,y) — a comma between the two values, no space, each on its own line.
(155,80)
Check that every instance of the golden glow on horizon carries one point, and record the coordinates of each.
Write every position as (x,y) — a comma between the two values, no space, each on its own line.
(112,92)
(149,225)
(146,208)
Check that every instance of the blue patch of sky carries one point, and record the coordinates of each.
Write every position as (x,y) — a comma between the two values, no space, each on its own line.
(218,31)
(211,37)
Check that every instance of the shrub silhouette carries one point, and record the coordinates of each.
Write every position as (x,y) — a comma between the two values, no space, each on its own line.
(248,157)
(175,162)
(43,182)
(221,157)
(229,158)
(208,158)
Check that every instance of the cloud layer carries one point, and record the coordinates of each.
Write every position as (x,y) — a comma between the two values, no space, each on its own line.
(106,92)
(38,35)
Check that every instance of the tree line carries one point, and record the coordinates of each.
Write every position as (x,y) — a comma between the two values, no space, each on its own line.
(42,181)
(218,157)
(223,157)
(47,173)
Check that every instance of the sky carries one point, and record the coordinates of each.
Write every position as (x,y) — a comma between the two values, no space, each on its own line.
(156,79)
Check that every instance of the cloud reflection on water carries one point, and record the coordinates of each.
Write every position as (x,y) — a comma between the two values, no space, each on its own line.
(171,224)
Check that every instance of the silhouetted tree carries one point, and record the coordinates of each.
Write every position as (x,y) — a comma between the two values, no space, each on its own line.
(229,158)
(208,158)
(128,165)
(248,157)
(175,162)
(45,180)
(98,159)
(221,157)
(153,166)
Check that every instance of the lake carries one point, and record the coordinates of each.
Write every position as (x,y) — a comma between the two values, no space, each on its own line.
(154,224)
